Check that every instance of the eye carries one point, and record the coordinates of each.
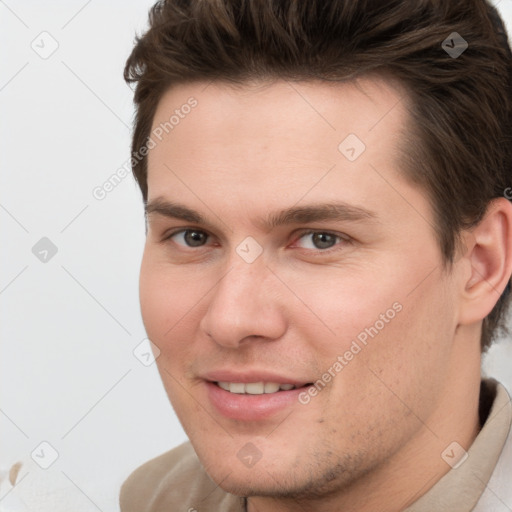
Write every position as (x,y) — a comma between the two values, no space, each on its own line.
(322,240)
(189,237)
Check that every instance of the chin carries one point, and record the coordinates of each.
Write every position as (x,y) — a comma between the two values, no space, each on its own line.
(293,487)
(259,485)
(317,478)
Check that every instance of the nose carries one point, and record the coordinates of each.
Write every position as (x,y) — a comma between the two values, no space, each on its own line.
(246,303)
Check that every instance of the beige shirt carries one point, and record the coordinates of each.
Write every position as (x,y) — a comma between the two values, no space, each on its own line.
(176,480)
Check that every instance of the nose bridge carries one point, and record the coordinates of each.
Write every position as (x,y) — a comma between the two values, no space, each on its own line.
(243,282)
(242,288)
(241,304)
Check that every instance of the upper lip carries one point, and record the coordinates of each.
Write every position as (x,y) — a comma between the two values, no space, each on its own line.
(251,376)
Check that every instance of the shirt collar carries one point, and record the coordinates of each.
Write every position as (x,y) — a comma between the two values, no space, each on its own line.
(462,486)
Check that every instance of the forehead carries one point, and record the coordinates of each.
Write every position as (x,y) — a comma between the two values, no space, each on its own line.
(280,108)
(275,143)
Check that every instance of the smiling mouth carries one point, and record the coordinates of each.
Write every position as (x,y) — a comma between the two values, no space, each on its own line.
(257,388)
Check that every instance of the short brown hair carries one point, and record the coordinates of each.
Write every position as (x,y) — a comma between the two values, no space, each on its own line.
(460,149)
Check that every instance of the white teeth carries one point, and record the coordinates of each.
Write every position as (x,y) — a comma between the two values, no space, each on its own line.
(254,388)
(271,387)
(237,387)
(224,385)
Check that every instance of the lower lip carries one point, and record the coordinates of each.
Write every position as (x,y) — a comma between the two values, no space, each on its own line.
(248,407)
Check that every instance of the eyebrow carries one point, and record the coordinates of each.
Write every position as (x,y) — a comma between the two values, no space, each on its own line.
(337,211)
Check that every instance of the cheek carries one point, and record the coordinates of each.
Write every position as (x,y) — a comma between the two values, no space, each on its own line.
(165,293)
(408,361)
(392,340)
(153,300)
(351,307)
(164,299)
(171,302)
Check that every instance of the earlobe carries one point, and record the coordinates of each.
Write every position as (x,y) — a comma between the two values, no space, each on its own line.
(490,257)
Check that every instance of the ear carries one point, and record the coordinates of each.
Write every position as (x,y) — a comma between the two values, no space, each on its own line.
(489,254)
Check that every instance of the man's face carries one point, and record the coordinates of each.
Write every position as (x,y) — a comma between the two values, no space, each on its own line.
(237,298)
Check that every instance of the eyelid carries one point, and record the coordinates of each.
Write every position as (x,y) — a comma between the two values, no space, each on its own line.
(296,236)
(341,236)
(168,234)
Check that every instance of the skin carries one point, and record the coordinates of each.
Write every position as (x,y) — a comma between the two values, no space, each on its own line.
(373,437)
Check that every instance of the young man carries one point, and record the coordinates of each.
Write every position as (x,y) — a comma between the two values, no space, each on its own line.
(328,253)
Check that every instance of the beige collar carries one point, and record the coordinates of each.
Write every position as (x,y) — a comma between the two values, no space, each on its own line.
(461,488)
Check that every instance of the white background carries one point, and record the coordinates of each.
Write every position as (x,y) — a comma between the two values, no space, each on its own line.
(69,326)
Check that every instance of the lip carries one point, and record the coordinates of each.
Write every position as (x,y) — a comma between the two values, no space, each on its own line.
(247,407)
(251,376)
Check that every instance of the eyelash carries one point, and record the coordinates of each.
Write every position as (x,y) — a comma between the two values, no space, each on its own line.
(336,247)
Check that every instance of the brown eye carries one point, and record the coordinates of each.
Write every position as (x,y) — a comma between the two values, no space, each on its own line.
(190,237)
(323,240)
(319,240)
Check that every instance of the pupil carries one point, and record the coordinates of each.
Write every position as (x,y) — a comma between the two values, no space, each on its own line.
(194,238)
(323,240)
